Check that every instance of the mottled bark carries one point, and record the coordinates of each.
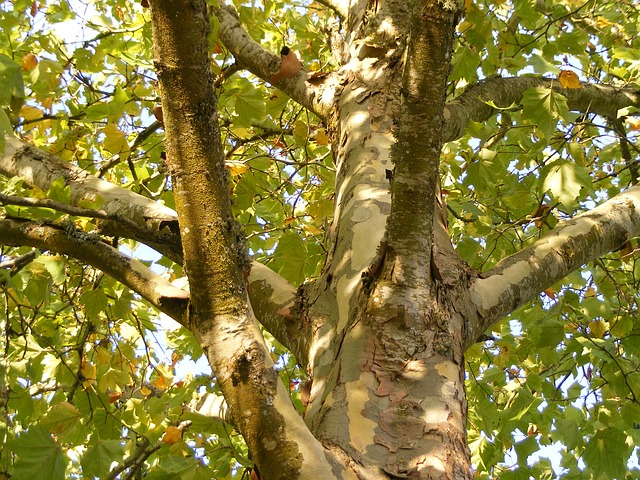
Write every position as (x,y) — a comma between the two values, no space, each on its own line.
(382,332)
(521,276)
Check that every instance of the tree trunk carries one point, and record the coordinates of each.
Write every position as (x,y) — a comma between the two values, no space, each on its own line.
(383,331)
(387,357)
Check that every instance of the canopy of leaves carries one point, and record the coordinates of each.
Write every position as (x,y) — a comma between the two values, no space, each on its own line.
(91,376)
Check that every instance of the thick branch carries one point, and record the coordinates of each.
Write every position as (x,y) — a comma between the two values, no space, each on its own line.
(340,7)
(273,301)
(221,318)
(264,64)
(131,215)
(39,168)
(130,272)
(416,155)
(523,275)
(503,92)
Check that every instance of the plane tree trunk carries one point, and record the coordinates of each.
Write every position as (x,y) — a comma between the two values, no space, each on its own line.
(383,330)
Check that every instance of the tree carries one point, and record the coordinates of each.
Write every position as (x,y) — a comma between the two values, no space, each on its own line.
(414,257)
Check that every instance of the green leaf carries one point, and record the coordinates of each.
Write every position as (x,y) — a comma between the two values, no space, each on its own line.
(548,332)
(97,460)
(250,105)
(11,84)
(290,257)
(55,265)
(95,302)
(61,418)
(5,128)
(38,456)
(524,449)
(59,191)
(113,379)
(607,452)
(545,108)
(482,452)
(541,65)
(567,432)
(565,180)
(244,193)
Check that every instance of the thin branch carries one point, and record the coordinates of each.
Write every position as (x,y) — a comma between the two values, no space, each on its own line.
(226,73)
(618,127)
(130,215)
(145,449)
(18,263)
(264,64)
(339,7)
(141,137)
(472,105)
(54,205)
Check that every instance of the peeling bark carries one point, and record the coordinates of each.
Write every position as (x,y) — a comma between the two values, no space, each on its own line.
(383,331)
(262,63)
(518,278)
(131,215)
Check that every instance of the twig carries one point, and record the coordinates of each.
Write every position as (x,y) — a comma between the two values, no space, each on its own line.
(226,73)
(18,263)
(618,127)
(142,136)
(134,461)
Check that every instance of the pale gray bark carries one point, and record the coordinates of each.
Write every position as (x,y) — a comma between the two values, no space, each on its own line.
(89,249)
(264,64)
(520,277)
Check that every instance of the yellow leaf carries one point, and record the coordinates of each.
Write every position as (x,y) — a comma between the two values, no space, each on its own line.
(29,62)
(597,329)
(171,435)
(310,229)
(114,141)
(603,22)
(89,374)
(569,79)
(145,391)
(634,123)
(236,168)
(104,357)
(47,103)
(30,113)
(590,292)
(161,383)
(300,130)
(321,138)
(464,26)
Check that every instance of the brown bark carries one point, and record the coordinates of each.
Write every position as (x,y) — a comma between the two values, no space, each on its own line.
(214,256)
